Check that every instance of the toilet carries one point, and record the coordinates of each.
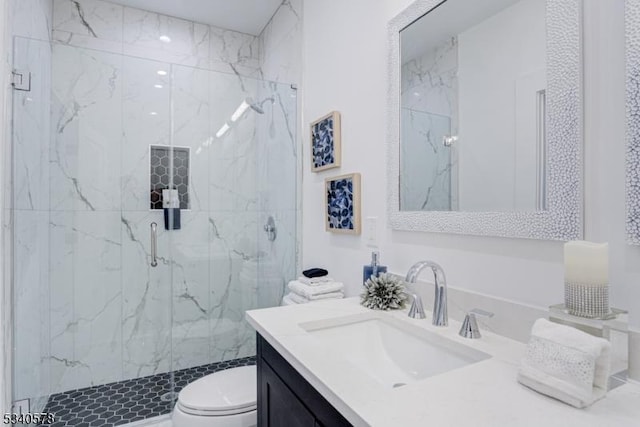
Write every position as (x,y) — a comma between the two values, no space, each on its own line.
(222,399)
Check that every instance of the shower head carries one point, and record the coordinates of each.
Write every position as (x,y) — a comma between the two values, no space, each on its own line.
(250,103)
(257,107)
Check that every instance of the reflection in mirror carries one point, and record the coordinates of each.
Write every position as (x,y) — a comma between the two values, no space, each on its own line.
(473,84)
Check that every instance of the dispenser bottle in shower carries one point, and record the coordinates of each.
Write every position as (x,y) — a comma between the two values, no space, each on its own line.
(171,207)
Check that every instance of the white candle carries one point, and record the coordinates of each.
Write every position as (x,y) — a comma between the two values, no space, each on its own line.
(586,263)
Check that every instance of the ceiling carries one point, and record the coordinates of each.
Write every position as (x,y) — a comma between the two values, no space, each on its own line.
(245,16)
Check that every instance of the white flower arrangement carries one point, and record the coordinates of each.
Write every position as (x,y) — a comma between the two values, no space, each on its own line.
(384,292)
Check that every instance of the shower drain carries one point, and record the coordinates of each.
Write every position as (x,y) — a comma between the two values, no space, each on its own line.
(169,397)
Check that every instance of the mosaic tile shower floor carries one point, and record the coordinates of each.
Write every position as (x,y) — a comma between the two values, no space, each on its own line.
(127,401)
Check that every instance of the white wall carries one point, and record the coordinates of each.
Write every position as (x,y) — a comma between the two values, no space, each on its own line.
(498,66)
(345,63)
(605,152)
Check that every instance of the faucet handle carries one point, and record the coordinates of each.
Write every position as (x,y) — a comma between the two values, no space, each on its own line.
(417,309)
(470,327)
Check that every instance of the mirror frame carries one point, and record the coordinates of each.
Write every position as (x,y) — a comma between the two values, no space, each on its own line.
(632,20)
(563,219)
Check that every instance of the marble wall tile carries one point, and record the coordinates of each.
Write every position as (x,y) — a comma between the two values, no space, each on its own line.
(63,364)
(86,41)
(31,303)
(104,26)
(143,52)
(234,48)
(277,264)
(87,124)
(94,18)
(144,29)
(191,296)
(281,44)
(429,113)
(233,256)
(232,156)
(191,118)
(6,315)
(426,160)
(233,180)
(146,122)
(86,268)
(430,82)
(146,293)
(25,228)
(277,148)
(32,18)
(31,127)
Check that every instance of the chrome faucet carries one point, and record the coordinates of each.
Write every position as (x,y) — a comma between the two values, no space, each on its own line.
(440,317)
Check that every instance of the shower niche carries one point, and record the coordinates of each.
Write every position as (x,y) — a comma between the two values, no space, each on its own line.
(162,161)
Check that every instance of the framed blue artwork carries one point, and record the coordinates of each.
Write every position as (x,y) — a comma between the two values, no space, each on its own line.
(325,142)
(342,201)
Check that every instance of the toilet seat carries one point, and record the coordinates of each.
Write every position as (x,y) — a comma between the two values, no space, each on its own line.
(229,392)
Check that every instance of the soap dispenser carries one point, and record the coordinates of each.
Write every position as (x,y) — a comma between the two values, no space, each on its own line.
(374,269)
(171,207)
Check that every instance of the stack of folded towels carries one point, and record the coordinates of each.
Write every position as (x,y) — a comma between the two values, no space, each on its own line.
(317,287)
(566,364)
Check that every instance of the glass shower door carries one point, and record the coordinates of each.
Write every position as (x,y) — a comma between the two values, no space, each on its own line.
(30,214)
(91,311)
(114,303)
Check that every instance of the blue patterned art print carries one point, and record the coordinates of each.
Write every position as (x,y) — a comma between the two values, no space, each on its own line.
(343,204)
(325,142)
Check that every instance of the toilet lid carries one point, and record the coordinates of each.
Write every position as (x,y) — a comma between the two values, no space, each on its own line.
(229,391)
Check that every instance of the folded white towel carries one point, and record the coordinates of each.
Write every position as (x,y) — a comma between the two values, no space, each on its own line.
(299,299)
(566,364)
(287,300)
(308,291)
(314,280)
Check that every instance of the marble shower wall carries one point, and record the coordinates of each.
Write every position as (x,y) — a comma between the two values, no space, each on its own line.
(113,316)
(429,112)
(85,234)
(280,44)
(27,237)
(281,168)
(425,182)
(114,28)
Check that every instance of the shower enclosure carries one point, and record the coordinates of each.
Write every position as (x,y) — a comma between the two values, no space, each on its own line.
(106,300)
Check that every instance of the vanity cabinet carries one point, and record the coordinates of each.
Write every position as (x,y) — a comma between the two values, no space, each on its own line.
(285,398)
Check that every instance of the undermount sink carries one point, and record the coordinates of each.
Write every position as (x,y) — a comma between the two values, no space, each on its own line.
(391,351)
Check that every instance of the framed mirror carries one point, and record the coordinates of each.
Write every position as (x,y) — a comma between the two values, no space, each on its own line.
(485,118)
(633,120)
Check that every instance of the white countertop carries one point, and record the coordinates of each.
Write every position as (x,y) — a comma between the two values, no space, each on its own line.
(484,394)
